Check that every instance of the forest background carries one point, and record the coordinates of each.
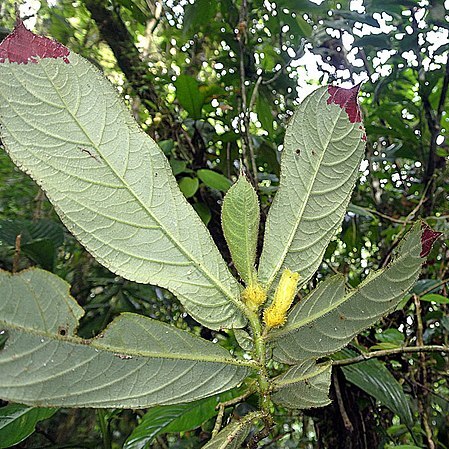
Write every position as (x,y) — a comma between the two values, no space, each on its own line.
(214,83)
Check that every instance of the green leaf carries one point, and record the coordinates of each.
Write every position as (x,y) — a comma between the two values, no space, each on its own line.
(111,184)
(319,166)
(232,436)
(177,166)
(39,239)
(175,418)
(214,180)
(303,386)
(327,319)
(204,212)
(188,186)
(18,422)
(136,362)
(189,95)
(240,216)
(433,297)
(374,378)
(263,109)
(198,14)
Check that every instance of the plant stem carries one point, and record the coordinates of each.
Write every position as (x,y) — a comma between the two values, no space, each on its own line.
(104,428)
(260,355)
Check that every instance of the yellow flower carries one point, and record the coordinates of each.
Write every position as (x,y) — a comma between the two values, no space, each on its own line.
(254,296)
(276,314)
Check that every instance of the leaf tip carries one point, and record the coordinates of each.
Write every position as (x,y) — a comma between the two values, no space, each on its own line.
(22,46)
(428,237)
(347,100)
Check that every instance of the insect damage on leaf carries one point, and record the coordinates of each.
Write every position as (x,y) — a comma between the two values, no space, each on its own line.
(347,100)
(23,46)
(428,237)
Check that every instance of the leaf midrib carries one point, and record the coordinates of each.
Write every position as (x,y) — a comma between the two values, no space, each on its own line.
(181,248)
(118,351)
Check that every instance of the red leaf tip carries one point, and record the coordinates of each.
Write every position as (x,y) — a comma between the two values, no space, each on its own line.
(427,238)
(347,100)
(22,46)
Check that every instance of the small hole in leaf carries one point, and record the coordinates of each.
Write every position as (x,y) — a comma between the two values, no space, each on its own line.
(3,338)
(298,151)
(62,331)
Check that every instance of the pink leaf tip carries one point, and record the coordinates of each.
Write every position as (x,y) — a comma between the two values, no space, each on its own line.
(22,46)
(427,238)
(347,100)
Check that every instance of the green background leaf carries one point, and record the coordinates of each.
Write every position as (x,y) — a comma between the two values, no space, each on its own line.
(189,95)
(18,421)
(214,180)
(175,418)
(374,378)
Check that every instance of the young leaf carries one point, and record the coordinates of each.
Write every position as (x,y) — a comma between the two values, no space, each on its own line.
(328,319)
(175,418)
(373,377)
(323,147)
(63,124)
(240,218)
(303,386)
(136,363)
(18,421)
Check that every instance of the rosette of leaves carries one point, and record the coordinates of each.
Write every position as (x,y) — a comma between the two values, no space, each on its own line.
(63,124)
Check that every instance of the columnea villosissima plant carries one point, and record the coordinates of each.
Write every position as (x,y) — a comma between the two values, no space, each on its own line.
(64,125)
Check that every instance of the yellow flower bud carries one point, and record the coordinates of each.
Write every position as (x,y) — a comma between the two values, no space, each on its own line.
(254,296)
(276,314)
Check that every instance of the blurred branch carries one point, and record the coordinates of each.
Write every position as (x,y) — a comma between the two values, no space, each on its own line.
(247,144)
(423,403)
(387,352)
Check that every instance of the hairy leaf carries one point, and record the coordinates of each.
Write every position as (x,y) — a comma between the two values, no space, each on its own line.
(323,147)
(327,319)
(240,217)
(136,362)
(18,421)
(63,124)
(303,386)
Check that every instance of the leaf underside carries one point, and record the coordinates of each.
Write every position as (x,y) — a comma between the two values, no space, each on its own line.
(64,125)
(136,363)
(320,160)
(303,386)
(328,318)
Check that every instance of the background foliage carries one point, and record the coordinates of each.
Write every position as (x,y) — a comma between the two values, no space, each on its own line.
(214,83)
